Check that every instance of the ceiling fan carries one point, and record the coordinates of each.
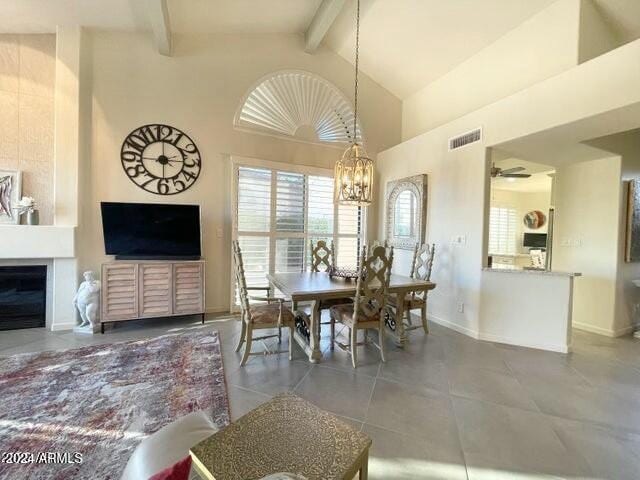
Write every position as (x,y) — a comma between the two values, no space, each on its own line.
(509,172)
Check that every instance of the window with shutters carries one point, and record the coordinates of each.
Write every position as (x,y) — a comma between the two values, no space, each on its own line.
(502,231)
(278,212)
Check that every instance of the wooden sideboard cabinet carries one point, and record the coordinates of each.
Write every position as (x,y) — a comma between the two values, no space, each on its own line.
(133,290)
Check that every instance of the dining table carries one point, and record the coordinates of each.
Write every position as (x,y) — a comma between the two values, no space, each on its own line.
(314,287)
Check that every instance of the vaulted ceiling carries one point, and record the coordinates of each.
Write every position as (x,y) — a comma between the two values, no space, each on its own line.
(405,44)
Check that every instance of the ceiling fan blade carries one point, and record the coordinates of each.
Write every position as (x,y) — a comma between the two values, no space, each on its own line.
(513,170)
(515,175)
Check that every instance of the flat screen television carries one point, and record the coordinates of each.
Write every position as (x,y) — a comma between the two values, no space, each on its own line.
(535,240)
(151,230)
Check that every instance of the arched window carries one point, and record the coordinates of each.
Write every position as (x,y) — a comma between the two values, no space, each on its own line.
(298,105)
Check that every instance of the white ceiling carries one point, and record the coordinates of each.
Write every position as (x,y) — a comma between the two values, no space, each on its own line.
(187,16)
(241,16)
(42,16)
(623,16)
(405,44)
(539,181)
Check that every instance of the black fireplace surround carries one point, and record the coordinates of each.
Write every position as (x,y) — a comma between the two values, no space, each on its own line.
(23,296)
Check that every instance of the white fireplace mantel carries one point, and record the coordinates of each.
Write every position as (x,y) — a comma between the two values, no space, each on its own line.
(41,241)
(56,246)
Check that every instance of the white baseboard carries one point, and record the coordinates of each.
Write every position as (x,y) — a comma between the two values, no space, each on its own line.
(56,327)
(607,332)
(497,338)
(453,326)
(538,346)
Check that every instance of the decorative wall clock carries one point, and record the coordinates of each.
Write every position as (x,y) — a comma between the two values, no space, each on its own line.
(160,159)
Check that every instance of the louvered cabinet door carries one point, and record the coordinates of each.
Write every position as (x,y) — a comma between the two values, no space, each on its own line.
(155,290)
(188,282)
(119,291)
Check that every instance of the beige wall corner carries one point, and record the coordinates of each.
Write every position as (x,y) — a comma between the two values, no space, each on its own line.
(539,48)
(596,36)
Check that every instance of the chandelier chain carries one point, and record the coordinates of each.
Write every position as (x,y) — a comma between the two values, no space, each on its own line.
(355,95)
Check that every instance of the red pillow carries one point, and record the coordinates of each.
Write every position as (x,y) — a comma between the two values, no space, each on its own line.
(177,471)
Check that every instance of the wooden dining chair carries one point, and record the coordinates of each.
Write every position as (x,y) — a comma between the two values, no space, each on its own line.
(323,260)
(378,243)
(323,257)
(367,311)
(420,270)
(269,315)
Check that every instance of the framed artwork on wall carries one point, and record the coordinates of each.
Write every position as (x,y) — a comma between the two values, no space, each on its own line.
(632,241)
(10,194)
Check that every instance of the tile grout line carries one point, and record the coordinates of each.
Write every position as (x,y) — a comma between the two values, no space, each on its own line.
(457,422)
(373,387)
(303,378)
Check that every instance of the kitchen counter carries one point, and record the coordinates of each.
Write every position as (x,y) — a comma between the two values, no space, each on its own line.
(528,271)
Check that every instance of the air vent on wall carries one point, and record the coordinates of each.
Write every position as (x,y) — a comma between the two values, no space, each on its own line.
(465,139)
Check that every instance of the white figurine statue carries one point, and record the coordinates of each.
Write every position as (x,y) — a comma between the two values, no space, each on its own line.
(87,301)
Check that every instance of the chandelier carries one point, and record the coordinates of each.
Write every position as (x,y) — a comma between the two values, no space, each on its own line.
(354,171)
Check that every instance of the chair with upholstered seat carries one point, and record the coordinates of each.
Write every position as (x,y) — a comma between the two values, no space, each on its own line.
(269,315)
(420,270)
(367,311)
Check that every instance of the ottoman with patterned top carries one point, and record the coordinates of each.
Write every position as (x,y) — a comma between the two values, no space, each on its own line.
(285,434)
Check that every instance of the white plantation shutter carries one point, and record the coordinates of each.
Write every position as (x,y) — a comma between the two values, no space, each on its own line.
(502,231)
(279,212)
(254,200)
(255,257)
(348,252)
(349,235)
(290,202)
(321,206)
(349,220)
(289,254)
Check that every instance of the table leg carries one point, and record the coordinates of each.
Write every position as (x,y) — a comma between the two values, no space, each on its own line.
(314,340)
(400,334)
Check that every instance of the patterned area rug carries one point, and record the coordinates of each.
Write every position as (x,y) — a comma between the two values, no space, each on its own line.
(97,403)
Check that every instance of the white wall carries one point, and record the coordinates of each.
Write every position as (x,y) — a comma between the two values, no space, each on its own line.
(198,90)
(458,180)
(628,295)
(586,238)
(539,48)
(627,145)
(543,317)
(564,34)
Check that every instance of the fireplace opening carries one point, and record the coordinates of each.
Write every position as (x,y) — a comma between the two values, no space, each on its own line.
(23,296)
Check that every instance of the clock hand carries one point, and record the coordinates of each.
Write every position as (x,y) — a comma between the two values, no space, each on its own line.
(163,170)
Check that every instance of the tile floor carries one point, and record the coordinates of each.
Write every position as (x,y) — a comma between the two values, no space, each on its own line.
(447,406)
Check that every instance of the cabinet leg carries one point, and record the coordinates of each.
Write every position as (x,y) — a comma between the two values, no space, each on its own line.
(102,327)
(203,318)
(364,469)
